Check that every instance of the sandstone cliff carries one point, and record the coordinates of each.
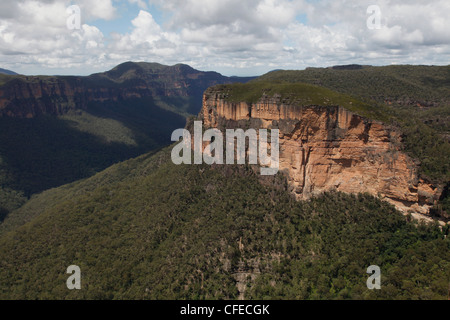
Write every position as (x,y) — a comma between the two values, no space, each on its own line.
(329,148)
(27,97)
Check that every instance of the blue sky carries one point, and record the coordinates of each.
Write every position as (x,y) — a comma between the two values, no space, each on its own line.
(126,13)
(234,37)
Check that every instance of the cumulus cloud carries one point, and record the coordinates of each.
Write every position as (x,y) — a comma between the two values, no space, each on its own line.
(35,34)
(255,33)
(251,35)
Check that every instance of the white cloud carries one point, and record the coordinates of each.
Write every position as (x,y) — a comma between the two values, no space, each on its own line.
(225,34)
(146,41)
(98,9)
(258,32)
(37,34)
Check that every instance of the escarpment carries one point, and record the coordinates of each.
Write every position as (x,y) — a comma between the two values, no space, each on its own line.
(30,96)
(326,148)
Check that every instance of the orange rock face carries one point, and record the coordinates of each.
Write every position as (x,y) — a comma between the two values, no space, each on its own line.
(329,148)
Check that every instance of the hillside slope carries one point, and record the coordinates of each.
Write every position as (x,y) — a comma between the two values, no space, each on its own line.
(8,72)
(56,130)
(402,85)
(147,229)
(177,88)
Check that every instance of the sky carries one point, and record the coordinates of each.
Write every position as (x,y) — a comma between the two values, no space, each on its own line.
(233,37)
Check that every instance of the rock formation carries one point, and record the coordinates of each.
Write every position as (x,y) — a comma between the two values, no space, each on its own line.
(329,148)
(29,96)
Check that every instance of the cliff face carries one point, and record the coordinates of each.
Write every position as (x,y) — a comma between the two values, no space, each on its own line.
(329,148)
(29,96)
(32,96)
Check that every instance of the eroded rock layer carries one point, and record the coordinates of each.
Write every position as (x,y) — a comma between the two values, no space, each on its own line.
(329,148)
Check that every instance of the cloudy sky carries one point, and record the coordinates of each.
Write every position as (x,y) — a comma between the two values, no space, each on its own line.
(234,37)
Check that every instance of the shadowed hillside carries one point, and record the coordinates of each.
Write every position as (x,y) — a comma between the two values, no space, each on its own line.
(56,130)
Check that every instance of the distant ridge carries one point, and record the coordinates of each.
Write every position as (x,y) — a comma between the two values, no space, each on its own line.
(348,67)
(8,72)
(180,87)
(58,129)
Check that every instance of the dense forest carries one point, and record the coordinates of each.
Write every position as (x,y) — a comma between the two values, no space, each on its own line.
(147,229)
(47,151)
(58,129)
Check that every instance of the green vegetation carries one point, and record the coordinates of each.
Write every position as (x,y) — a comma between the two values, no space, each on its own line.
(426,144)
(4,78)
(415,99)
(108,130)
(301,94)
(147,229)
(10,200)
(47,151)
(398,84)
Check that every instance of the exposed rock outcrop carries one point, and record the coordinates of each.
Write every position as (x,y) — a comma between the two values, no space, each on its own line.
(28,97)
(330,148)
